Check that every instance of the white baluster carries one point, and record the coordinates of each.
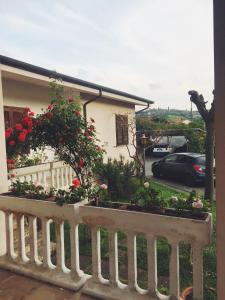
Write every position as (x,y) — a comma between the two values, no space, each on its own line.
(113,258)
(152,265)
(197,271)
(57,179)
(46,243)
(31,177)
(33,239)
(9,235)
(96,253)
(60,244)
(70,175)
(21,237)
(132,260)
(174,271)
(76,273)
(66,176)
(62,177)
(44,178)
(53,178)
(38,177)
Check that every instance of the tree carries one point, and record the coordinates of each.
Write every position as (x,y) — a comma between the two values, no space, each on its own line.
(208,116)
(62,127)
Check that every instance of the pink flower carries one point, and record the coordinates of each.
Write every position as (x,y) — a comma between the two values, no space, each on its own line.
(77,113)
(104,186)
(50,107)
(12,143)
(197,204)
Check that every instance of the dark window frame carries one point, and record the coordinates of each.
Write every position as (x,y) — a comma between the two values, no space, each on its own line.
(12,112)
(122,135)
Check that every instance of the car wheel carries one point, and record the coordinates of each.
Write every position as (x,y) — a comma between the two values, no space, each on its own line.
(189,180)
(156,174)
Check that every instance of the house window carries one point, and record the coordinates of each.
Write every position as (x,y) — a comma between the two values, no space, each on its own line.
(12,116)
(121,130)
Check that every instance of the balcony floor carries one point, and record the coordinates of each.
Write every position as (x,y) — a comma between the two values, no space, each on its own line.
(18,287)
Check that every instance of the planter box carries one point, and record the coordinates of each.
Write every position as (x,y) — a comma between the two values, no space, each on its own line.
(174,229)
(182,229)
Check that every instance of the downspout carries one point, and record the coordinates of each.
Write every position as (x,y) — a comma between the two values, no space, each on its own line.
(143,109)
(89,101)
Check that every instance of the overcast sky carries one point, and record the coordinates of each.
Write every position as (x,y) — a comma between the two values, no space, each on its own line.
(157,49)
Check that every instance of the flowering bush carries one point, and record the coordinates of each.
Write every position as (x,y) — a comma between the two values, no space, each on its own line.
(31,190)
(148,198)
(62,127)
(193,203)
(18,138)
(78,193)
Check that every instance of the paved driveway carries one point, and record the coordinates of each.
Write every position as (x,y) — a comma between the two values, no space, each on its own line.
(174,184)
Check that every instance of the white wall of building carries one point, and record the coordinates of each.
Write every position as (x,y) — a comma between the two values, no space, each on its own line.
(104,113)
(23,94)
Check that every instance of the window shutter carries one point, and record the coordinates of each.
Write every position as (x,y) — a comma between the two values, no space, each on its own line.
(7,119)
(121,130)
(16,117)
(125,131)
(119,134)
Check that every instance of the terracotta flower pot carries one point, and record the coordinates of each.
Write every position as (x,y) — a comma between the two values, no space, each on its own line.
(187,294)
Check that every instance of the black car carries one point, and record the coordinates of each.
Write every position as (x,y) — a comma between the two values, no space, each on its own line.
(186,167)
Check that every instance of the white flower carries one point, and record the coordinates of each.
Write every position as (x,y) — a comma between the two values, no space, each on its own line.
(37,183)
(197,204)
(104,186)
(47,188)
(174,199)
(146,184)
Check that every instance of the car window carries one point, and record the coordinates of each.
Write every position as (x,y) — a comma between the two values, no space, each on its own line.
(171,158)
(182,159)
(201,160)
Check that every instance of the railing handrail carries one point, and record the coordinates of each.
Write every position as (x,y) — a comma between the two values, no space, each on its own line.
(196,233)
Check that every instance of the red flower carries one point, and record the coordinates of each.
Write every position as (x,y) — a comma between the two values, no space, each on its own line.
(7,133)
(92,120)
(50,107)
(12,143)
(10,161)
(22,137)
(81,163)
(49,115)
(31,114)
(26,120)
(26,109)
(29,123)
(70,99)
(25,131)
(76,183)
(91,128)
(90,138)
(77,113)
(19,126)
(87,133)
(29,130)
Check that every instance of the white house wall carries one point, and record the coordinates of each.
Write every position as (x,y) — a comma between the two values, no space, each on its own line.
(104,113)
(23,94)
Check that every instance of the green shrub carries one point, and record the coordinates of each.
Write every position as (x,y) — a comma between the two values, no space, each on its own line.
(119,177)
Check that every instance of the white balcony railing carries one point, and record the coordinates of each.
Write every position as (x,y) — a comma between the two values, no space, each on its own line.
(195,232)
(54,174)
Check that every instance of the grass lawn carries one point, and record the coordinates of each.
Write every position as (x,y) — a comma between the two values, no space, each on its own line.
(163,252)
